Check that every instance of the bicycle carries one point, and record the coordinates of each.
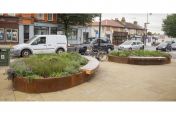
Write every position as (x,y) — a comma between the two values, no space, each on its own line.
(98,53)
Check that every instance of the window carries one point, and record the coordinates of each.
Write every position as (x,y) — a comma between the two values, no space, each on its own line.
(42,40)
(73,34)
(11,14)
(53,30)
(40,16)
(11,35)
(50,17)
(1,34)
(1,14)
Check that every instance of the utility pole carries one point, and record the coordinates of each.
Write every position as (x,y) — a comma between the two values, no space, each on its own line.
(99,34)
(145,25)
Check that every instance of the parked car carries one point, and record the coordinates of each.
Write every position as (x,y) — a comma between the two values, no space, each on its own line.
(105,44)
(170,42)
(173,46)
(164,46)
(131,45)
(41,44)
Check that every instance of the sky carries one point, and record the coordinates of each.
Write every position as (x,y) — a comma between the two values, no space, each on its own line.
(155,20)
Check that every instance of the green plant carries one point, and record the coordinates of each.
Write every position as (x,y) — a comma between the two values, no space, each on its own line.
(48,65)
(144,53)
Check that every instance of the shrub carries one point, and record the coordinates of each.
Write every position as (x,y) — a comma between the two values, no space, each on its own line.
(48,65)
(144,53)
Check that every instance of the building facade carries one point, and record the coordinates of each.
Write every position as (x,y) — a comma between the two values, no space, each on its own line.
(19,28)
(36,24)
(9,29)
(111,29)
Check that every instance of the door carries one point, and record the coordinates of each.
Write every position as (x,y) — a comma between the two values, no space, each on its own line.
(39,45)
(50,44)
(26,33)
(134,46)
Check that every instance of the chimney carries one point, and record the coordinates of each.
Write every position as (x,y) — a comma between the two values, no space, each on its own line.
(116,19)
(123,20)
(135,22)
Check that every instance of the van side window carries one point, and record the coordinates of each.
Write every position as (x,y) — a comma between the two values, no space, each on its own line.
(42,40)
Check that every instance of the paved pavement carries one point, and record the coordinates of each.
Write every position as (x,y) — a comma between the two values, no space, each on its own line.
(113,82)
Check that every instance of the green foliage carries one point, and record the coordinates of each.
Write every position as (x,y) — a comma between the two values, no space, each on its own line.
(74,19)
(144,53)
(169,25)
(51,65)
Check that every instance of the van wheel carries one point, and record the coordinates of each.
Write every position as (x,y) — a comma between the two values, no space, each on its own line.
(25,53)
(60,50)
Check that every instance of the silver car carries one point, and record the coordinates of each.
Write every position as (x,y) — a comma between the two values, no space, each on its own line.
(131,45)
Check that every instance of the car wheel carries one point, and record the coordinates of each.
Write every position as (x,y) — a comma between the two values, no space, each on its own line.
(60,50)
(25,53)
(109,50)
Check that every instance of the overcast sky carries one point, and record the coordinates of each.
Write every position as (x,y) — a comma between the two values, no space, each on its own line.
(155,20)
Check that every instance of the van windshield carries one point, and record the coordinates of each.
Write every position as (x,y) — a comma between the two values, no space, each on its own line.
(29,41)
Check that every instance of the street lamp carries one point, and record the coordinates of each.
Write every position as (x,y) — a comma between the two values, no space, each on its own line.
(145,26)
(99,34)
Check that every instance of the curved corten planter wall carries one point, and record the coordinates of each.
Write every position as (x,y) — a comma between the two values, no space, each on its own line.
(140,60)
(49,84)
(43,85)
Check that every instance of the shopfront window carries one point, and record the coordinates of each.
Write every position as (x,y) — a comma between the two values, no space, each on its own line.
(40,16)
(53,30)
(73,34)
(50,17)
(41,30)
(1,34)
(11,35)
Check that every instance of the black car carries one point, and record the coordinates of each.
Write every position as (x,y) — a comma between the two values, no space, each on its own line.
(164,46)
(173,46)
(105,44)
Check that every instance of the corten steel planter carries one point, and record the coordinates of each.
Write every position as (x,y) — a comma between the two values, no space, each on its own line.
(140,60)
(43,85)
(149,60)
(117,59)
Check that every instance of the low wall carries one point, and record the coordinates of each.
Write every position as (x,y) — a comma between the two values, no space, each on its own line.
(42,85)
(140,60)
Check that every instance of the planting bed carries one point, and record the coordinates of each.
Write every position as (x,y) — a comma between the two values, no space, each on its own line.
(50,84)
(140,57)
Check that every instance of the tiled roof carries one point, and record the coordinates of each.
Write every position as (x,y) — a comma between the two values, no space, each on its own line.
(111,23)
(133,26)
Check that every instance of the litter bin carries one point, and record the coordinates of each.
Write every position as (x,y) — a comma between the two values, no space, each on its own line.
(4,56)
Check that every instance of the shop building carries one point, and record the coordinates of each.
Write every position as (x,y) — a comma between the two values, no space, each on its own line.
(9,29)
(36,24)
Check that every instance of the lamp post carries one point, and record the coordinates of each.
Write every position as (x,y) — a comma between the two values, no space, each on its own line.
(145,26)
(99,34)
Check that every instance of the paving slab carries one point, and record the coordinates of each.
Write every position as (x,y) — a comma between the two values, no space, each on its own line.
(112,82)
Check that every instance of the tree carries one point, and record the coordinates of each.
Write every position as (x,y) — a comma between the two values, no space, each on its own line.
(74,19)
(169,25)
(149,33)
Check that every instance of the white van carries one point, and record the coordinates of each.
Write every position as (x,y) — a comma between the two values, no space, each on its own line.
(41,44)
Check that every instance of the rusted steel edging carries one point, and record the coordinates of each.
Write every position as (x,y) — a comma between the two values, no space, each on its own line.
(140,60)
(43,85)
